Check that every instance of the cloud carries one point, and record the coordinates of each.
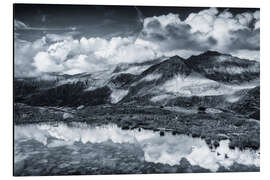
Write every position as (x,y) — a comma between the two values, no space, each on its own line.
(256,16)
(207,29)
(202,21)
(164,35)
(170,33)
(89,55)
(24,51)
(245,39)
(58,37)
(45,63)
(247,54)
(20,25)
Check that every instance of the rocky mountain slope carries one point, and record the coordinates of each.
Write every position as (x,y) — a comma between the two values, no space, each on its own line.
(249,104)
(210,79)
(224,67)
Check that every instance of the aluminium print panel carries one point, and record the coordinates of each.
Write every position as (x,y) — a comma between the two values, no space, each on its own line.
(101,89)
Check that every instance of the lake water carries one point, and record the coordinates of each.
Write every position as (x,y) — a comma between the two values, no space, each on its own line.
(47,149)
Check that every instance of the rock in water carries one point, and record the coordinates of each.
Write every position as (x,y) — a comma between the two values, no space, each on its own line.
(80,107)
(67,115)
(185,165)
(162,133)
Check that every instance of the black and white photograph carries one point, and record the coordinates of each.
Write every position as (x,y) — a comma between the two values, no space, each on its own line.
(121,89)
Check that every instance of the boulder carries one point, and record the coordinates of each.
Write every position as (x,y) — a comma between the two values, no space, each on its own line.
(67,115)
(161,133)
(80,107)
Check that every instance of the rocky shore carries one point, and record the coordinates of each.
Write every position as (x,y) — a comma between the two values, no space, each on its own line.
(213,126)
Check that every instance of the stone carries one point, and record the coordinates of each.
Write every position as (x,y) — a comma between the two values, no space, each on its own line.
(185,165)
(125,127)
(216,144)
(161,133)
(67,115)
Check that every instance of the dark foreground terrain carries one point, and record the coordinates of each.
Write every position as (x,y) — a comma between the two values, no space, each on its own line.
(212,125)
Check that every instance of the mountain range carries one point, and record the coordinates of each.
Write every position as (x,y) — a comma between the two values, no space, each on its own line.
(211,79)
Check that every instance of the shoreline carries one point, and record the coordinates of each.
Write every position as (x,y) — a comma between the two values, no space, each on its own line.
(242,133)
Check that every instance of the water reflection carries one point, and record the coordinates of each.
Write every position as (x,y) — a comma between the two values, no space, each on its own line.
(168,149)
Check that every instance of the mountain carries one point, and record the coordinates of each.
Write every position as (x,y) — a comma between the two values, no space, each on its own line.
(209,79)
(69,90)
(136,68)
(148,81)
(168,68)
(224,67)
(174,81)
(249,104)
(69,95)
(121,80)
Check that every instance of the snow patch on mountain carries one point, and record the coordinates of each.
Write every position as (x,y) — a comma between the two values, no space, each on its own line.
(192,85)
(161,97)
(151,77)
(136,70)
(197,85)
(236,69)
(100,79)
(117,95)
(232,98)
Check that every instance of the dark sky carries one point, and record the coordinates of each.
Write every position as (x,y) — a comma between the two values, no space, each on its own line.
(92,20)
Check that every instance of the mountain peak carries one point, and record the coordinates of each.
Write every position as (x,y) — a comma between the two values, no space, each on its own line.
(170,67)
(175,57)
(224,67)
(211,53)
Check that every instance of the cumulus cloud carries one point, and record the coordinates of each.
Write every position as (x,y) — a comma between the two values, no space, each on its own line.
(89,55)
(170,33)
(207,29)
(24,51)
(164,35)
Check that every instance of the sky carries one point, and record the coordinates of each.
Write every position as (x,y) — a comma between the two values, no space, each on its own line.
(71,39)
